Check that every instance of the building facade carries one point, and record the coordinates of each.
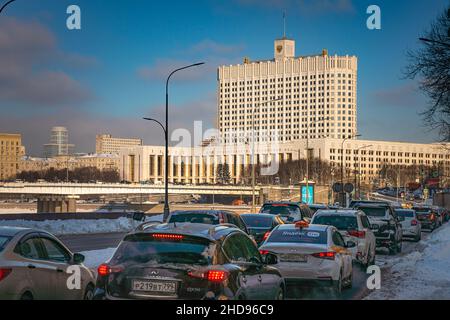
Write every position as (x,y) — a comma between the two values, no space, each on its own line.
(11,151)
(107,144)
(59,143)
(289,98)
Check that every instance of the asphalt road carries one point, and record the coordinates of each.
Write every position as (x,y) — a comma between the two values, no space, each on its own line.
(78,243)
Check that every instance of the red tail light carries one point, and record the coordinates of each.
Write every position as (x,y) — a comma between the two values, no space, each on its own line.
(210,275)
(414,222)
(357,234)
(432,217)
(167,236)
(106,270)
(325,255)
(4,273)
(266,235)
(263,252)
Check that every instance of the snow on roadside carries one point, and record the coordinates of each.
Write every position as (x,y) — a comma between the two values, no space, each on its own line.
(63,227)
(95,258)
(419,275)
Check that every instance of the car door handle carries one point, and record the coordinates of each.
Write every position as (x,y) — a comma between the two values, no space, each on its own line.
(31,266)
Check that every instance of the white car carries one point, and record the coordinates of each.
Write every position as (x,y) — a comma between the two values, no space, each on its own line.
(354,225)
(411,226)
(310,254)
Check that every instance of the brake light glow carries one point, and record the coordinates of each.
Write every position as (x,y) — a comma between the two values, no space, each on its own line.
(4,273)
(165,236)
(432,216)
(266,235)
(357,234)
(302,224)
(105,270)
(325,255)
(264,252)
(210,275)
(414,222)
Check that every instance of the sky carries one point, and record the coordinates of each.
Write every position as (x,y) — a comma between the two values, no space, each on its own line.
(105,77)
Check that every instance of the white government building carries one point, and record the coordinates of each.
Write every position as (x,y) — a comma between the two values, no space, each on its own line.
(291,104)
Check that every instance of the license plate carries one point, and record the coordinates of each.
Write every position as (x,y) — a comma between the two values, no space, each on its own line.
(294,258)
(154,286)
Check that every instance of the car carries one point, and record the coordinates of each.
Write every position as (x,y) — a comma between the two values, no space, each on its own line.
(290,212)
(354,226)
(208,217)
(357,203)
(440,212)
(385,225)
(311,255)
(315,207)
(188,261)
(261,224)
(34,265)
(428,219)
(411,226)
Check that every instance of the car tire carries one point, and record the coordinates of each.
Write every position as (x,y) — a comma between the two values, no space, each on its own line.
(27,296)
(89,293)
(337,287)
(393,248)
(418,237)
(349,281)
(399,246)
(280,294)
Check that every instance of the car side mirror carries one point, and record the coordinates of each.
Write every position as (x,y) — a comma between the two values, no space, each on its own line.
(350,244)
(270,259)
(78,258)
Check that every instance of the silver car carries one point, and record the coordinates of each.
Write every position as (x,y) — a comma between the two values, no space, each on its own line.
(412,228)
(36,265)
(354,226)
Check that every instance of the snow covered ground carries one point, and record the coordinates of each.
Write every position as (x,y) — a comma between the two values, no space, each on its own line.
(95,258)
(63,227)
(422,274)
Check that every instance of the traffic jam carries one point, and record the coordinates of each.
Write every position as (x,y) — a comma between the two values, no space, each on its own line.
(219,254)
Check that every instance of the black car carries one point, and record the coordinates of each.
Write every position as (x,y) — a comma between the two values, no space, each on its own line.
(290,212)
(385,225)
(261,224)
(190,262)
(357,203)
(316,207)
(208,217)
(427,217)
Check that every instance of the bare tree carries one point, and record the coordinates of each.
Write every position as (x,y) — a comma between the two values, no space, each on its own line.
(431,64)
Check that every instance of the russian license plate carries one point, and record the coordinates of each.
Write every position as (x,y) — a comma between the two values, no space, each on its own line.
(154,286)
(294,258)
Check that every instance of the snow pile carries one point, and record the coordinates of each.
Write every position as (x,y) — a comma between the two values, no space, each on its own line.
(95,258)
(420,275)
(63,227)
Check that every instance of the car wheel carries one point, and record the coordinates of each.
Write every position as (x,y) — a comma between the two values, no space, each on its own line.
(393,248)
(418,237)
(399,246)
(349,281)
(27,296)
(280,294)
(89,293)
(337,287)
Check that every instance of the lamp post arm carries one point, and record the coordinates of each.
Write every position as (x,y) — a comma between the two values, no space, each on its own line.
(158,122)
(4,6)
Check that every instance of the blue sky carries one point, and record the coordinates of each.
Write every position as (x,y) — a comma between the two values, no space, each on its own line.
(108,75)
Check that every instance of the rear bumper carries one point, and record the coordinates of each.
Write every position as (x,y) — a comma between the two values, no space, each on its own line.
(327,270)
(310,283)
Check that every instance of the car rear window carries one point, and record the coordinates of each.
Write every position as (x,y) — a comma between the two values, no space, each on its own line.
(3,242)
(281,209)
(373,212)
(147,249)
(405,213)
(423,210)
(254,221)
(340,222)
(298,236)
(195,217)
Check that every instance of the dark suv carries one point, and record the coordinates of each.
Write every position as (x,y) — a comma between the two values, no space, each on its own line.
(427,217)
(189,261)
(290,212)
(208,217)
(385,225)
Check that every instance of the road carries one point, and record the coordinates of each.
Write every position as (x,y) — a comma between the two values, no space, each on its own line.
(89,242)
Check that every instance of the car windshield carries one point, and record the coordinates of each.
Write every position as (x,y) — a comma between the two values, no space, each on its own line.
(373,212)
(195,217)
(3,242)
(423,210)
(405,213)
(255,221)
(281,209)
(340,222)
(298,236)
(146,249)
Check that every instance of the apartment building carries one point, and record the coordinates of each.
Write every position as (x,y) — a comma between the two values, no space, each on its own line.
(11,150)
(107,144)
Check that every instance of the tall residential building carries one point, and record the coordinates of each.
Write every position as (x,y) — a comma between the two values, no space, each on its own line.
(316,96)
(11,151)
(59,143)
(106,144)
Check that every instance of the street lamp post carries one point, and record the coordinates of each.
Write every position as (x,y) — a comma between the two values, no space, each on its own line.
(342,160)
(253,150)
(358,183)
(166,138)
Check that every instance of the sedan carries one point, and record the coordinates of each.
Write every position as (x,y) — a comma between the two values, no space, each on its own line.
(412,228)
(314,255)
(259,225)
(36,265)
